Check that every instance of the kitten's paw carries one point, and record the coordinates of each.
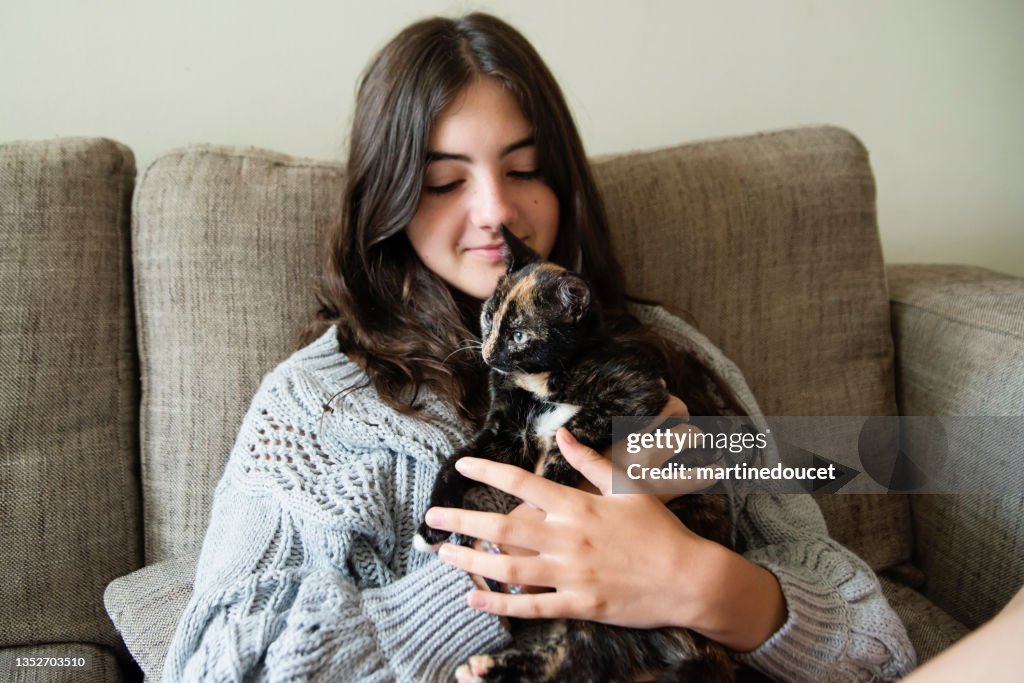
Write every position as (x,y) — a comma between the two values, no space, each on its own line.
(464,675)
(475,670)
(481,664)
(421,544)
(429,539)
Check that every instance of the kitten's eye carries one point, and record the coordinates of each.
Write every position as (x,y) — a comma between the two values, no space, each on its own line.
(519,337)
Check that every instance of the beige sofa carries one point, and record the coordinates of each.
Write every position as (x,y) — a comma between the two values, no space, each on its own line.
(139,314)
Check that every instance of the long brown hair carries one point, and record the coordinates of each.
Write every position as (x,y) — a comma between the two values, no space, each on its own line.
(404,324)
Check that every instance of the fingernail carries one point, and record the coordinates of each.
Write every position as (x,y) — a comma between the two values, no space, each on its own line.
(567,435)
(465,465)
(446,552)
(477,599)
(434,517)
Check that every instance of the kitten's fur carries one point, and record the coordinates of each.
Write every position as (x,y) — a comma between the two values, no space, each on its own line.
(553,364)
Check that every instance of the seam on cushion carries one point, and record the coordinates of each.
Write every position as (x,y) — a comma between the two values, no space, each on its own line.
(278,158)
(141,349)
(945,315)
(125,307)
(763,135)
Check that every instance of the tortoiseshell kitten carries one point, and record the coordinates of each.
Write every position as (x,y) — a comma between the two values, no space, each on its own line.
(553,364)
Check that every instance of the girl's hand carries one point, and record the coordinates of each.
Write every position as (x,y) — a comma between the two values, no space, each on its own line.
(622,559)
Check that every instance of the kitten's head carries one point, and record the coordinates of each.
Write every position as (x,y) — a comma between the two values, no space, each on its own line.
(539,315)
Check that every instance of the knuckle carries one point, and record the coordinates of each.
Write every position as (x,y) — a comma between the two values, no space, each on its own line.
(596,607)
(502,530)
(517,478)
(587,576)
(579,507)
(579,544)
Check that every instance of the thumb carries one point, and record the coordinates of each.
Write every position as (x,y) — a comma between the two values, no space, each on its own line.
(588,462)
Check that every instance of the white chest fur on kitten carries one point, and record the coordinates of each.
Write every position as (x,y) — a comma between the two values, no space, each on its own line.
(549,417)
(552,416)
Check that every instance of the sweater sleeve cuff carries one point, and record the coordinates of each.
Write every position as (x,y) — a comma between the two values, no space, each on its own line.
(823,631)
(424,626)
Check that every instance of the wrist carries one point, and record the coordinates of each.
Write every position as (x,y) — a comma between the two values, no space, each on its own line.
(742,603)
(694,568)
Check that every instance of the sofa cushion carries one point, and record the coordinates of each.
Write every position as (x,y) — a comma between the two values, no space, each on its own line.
(225,253)
(69,509)
(930,628)
(960,336)
(760,239)
(146,606)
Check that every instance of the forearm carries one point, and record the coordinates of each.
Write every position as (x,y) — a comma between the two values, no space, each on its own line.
(416,628)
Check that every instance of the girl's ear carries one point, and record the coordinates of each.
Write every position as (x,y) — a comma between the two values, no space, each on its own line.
(517,254)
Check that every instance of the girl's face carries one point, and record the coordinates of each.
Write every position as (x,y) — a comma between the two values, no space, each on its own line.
(482,171)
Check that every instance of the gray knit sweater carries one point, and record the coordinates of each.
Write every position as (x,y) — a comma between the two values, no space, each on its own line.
(307,571)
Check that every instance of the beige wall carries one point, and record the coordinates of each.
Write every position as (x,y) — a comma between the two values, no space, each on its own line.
(932,87)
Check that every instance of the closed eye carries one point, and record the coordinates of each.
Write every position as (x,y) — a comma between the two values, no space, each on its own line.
(525,175)
(442,189)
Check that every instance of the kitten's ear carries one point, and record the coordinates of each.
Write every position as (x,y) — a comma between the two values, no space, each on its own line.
(573,294)
(517,254)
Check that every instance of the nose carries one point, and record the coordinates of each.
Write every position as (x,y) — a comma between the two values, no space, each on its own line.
(493,204)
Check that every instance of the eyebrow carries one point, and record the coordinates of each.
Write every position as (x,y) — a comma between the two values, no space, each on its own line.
(433,156)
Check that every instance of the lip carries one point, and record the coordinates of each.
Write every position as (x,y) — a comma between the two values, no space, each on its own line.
(488,252)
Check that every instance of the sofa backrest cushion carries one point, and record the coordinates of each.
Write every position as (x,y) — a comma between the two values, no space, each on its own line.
(70,515)
(226,260)
(769,242)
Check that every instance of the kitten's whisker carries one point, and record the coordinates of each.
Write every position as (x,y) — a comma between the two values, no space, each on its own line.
(468,347)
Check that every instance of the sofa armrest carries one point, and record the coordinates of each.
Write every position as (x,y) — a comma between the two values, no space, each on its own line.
(959,333)
(959,337)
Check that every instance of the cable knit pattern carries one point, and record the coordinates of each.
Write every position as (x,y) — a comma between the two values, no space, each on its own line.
(307,571)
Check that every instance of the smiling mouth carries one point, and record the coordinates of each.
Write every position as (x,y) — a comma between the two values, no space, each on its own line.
(490,252)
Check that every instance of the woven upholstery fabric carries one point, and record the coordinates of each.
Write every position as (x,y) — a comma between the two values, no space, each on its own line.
(770,244)
(761,239)
(226,255)
(931,630)
(146,606)
(69,510)
(960,335)
(101,665)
